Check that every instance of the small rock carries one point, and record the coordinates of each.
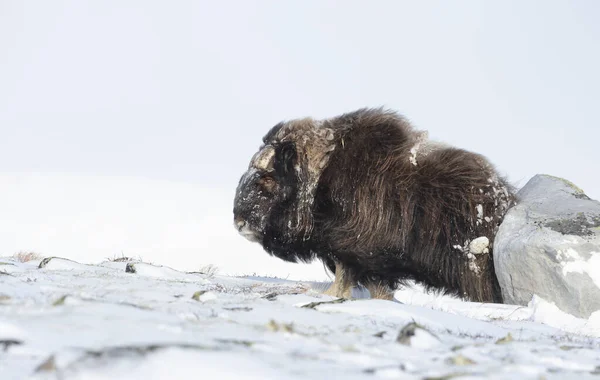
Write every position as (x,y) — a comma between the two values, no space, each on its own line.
(60,301)
(270,296)
(47,366)
(238,308)
(507,339)
(130,268)
(285,327)
(7,343)
(196,295)
(415,335)
(313,305)
(59,263)
(569,348)
(245,343)
(203,296)
(44,262)
(460,360)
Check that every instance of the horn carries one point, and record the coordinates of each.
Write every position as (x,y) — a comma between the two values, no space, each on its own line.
(263,159)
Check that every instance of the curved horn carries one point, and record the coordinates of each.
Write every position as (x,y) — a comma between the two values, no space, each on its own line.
(263,159)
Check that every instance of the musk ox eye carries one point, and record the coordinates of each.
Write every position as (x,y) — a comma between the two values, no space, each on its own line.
(267,183)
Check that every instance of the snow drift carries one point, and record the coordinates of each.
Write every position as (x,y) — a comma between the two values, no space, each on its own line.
(90,219)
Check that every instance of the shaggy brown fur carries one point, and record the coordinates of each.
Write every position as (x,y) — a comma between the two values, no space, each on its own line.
(377,203)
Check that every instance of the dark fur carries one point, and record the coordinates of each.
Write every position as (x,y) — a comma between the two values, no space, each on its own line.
(375,213)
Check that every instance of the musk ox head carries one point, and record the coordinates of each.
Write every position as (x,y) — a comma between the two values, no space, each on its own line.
(273,202)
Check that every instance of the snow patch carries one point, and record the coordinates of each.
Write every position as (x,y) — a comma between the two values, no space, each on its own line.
(474,247)
(577,264)
(479,208)
(413,154)
(548,313)
(421,139)
(479,245)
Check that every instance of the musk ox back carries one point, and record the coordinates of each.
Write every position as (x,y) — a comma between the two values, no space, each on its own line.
(377,203)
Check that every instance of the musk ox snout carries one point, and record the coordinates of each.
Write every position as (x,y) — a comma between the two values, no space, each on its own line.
(242,227)
(264,189)
(251,206)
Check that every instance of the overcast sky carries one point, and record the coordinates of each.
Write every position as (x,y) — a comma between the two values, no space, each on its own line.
(184,90)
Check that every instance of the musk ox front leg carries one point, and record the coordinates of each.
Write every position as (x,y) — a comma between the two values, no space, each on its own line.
(345,279)
(343,282)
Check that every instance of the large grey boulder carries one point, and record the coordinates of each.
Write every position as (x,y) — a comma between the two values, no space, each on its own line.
(549,245)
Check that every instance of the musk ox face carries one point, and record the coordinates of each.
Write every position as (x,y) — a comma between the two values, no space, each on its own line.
(265,190)
(274,198)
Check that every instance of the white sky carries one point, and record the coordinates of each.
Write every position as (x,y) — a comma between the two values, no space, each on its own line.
(184,90)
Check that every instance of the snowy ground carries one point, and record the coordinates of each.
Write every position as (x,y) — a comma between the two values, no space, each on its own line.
(73,321)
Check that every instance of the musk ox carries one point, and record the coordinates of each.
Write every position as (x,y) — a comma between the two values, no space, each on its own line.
(376,202)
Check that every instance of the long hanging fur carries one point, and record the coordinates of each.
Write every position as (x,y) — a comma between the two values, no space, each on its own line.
(378,203)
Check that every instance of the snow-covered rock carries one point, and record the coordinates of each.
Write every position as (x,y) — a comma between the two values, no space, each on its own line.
(549,245)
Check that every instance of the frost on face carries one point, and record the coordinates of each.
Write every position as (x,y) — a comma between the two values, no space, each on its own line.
(253,206)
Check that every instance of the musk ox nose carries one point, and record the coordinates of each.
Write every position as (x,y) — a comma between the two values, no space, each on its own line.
(243,228)
(239,223)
